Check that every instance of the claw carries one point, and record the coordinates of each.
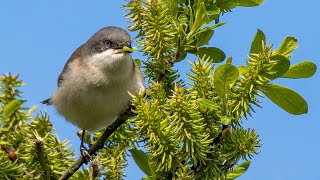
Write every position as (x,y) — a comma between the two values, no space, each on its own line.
(85,154)
(83,150)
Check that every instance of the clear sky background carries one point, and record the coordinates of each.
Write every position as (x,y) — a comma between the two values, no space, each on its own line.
(37,37)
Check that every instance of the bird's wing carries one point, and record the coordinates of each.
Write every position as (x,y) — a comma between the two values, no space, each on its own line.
(76,55)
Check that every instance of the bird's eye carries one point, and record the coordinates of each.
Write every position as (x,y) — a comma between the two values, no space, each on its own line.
(107,43)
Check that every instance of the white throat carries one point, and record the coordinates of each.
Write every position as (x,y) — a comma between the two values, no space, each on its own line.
(111,59)
(112,65)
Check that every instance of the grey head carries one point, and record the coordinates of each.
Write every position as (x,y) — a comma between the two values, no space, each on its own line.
(109,37)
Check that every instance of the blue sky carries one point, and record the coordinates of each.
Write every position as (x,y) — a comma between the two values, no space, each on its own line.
(37,37)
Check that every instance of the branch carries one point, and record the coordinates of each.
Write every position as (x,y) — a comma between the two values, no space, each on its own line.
(225,130)
(162,75)
(42,157)
(94,169)
(99,144)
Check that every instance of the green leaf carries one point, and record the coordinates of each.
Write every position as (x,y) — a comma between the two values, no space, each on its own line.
(238,171)
(191,49)
(172,7)
(287,46)
(216,25)
(304,69)
(183,18)
(191,41)
(285,98)
(250,3)
(282,65)
(208,104)
(31,110)
(213,10)
(182,57)
(146,178)
(227,4)
(204,37)
(230,4)
(214,53)
(208,27)
(229,60)
(243,69)
(224,76)
(258,42)
(141,160)
(201,18)
(11,107)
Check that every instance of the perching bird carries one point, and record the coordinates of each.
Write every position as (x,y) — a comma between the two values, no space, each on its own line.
(94,84)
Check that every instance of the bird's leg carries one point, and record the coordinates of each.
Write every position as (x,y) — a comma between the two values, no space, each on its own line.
(83,150)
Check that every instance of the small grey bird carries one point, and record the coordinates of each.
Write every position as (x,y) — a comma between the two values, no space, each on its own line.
(94,84)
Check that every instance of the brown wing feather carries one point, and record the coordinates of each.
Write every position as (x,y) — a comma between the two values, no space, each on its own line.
(79,53)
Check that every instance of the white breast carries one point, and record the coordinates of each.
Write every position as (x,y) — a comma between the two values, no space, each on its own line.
(94,93)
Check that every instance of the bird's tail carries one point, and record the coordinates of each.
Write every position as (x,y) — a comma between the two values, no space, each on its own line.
(47,102)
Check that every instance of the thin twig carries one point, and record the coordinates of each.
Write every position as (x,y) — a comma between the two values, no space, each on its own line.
(225,130)
(99,144)
(166,71)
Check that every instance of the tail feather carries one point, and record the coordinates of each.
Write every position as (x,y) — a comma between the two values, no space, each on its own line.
(47,102)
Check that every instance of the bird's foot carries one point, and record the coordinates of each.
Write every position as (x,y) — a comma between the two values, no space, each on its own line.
(85,154)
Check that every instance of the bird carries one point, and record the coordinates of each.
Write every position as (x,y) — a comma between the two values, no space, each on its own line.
(94,85)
